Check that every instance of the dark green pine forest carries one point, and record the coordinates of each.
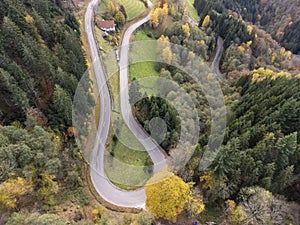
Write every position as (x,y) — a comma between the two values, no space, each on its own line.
(41,63)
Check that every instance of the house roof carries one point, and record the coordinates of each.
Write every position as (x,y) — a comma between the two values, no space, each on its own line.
(105,24)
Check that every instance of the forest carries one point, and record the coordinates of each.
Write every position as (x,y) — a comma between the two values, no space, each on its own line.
(277,17)
(41,62)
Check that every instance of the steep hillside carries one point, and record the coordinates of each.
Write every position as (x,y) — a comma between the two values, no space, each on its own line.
(41,61)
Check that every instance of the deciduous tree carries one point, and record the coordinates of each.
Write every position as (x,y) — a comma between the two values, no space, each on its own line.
(154,18)
(110,8)
(167,195)
(206,21)
(186,30)
(119,18)
(10,190)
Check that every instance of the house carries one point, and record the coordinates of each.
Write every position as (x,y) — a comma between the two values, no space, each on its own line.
(106,25)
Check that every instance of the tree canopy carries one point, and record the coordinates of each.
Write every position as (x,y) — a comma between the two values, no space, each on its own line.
(167,195)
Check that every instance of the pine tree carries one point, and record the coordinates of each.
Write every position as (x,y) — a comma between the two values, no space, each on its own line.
(62,104)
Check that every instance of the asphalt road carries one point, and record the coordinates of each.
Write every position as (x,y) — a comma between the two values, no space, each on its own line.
(152,148)
(109,192)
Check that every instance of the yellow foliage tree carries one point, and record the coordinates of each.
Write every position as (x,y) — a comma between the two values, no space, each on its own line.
(154,18)
(110,8)
(165,10)
(186,30)
(206,21)
(237,216)
(288,55)
(208,180)
(282,51)
(249,43)
(29,19)
(274,56)
(195,207)
(49,188)
(191,56)
(164,38)
(98,212)
(231,204)
(249,29)
(10,190)
(36,34)
(241,49)
(167,55)
(261,74)
(167,195)
(120,18)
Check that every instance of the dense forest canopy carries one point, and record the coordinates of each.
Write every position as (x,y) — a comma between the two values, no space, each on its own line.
(41,61)
(277,17)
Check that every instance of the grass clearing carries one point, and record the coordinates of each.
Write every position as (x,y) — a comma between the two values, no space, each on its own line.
(133,8)
(124,165)
(145,69)
(193,11)
(125,159)
(142,70)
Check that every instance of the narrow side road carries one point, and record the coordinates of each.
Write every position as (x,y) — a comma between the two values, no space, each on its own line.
(216,62)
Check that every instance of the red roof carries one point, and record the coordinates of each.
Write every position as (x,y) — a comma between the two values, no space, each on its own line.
(107,24)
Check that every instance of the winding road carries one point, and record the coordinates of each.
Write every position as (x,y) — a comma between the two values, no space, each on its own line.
(152,148)
(109,192)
